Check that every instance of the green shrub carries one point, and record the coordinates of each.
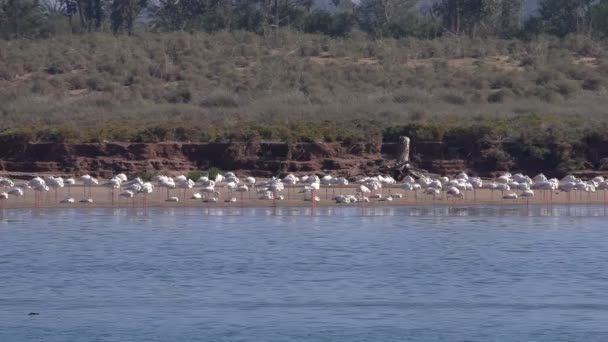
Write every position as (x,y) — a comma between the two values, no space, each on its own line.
(147,175)
(567,88)
(213,172)
(195,175)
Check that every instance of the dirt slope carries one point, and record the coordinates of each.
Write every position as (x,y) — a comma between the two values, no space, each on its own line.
(261,159)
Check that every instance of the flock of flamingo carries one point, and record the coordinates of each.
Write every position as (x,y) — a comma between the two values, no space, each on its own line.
(223,187)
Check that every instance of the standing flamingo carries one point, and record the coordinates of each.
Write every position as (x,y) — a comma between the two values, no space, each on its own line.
(146,189)
(112,185)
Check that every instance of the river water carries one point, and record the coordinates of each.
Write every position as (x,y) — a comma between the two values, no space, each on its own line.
(336,274)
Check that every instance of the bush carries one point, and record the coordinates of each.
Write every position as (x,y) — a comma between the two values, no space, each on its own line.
(454,99)
(195,175)
(592,84)
(499,96)
(213,172)
(179,95)
(147,175)
(98,83)
(219,100)
(567,88)
(152,134)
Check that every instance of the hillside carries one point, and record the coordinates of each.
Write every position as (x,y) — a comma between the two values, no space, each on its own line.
(546,96)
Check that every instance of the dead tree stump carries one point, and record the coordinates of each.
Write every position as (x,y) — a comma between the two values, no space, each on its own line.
(404,150)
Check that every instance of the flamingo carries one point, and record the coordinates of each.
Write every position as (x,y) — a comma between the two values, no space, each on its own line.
(362,199)
(122,177)
(3,198)
(527,194)
(341,199)
(209,188)
(127,195)
(88,181)
(510,196)
(17,192)
(250,182)
(166,182)
(407,187)
(327,180)
(231,186)
(567,187)
(54,183)
(362,194)
(503,187)
(213,197)
(314,187)
(454,192)
(184,184)
(39,185)
(242,189)
(267,195)
(432,192)
(308,196)
(112,184)
(84,179)
(290,180)
(69,183)
(6,182)
(146,189)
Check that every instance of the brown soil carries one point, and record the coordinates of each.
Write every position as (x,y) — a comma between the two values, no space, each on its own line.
(262,159)
(259,159)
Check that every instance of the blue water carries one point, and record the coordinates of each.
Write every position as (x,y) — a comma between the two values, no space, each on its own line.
(391,274)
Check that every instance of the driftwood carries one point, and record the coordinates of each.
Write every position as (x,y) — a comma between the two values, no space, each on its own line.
(402,167)
(403,155)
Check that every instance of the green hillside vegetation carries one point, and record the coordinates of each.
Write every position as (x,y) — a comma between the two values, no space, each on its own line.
(305,75)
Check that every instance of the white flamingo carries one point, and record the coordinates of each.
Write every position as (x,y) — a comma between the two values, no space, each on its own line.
(112,185)
(242,189)
(146,189)
(454,192)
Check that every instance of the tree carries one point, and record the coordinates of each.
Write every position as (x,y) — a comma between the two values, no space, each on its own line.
(332,24)
(509,22)
(379,17)
(562,17)
(91,13)
(599,17)
(281,13)
(19,18)
(469,16)
(190,15)
(124,12)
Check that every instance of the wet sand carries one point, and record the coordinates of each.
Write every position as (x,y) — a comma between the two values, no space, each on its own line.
(104,198)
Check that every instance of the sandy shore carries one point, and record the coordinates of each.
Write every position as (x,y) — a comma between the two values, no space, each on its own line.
(104,198)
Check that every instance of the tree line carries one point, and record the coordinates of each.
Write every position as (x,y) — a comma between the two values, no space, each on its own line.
(379,18)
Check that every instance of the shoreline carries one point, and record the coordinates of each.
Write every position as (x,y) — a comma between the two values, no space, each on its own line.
(102,198)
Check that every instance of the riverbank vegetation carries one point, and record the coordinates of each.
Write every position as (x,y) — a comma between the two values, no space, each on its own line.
(476,77)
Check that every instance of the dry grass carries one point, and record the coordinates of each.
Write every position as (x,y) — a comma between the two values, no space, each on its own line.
(288,86)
